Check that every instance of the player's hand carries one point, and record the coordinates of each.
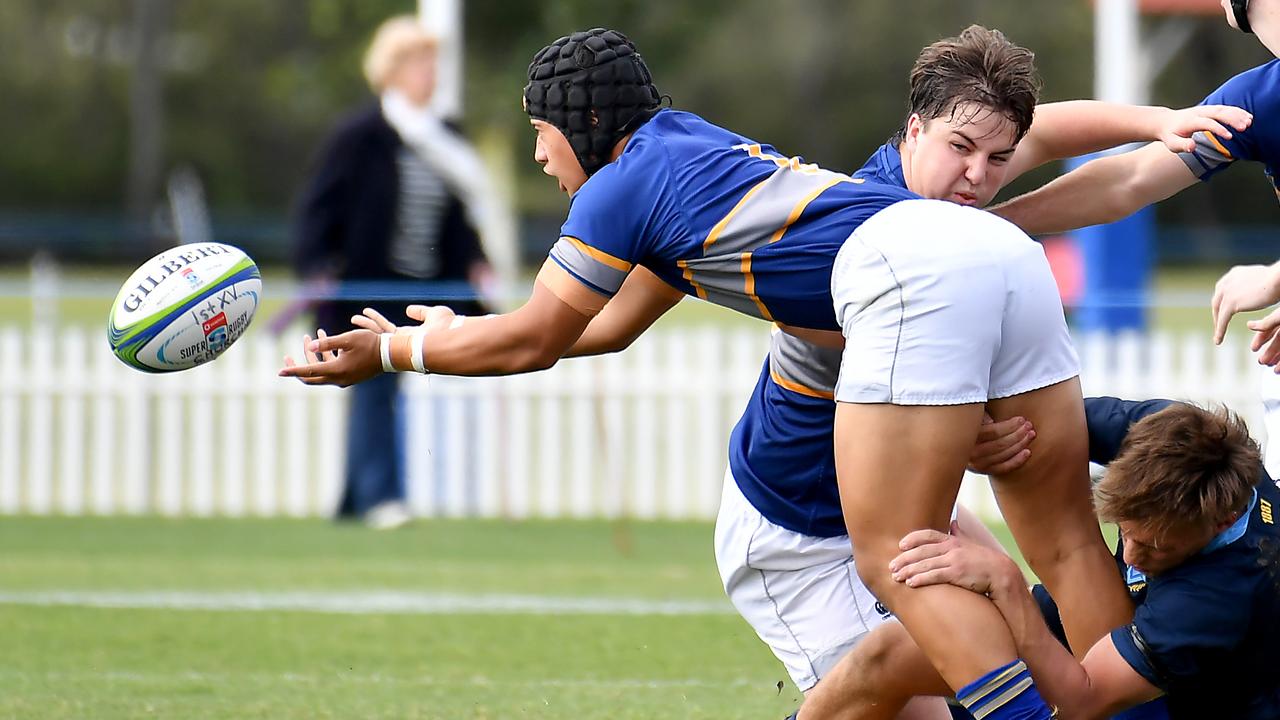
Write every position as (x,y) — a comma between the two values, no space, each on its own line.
(1177,133)
(340,360)
(1001,446)
(930,557)
(1244,288)
(435,317)
(1266,339)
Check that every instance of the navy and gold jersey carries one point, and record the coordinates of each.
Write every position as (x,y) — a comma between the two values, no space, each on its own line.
(1206,632)
(884,167)
(1258,91)
(782,451)
(718,216)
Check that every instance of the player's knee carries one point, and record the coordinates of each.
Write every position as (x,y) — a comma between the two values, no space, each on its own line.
(872,561)
(875,661)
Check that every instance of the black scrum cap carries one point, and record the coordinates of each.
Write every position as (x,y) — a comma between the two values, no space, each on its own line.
(595,88)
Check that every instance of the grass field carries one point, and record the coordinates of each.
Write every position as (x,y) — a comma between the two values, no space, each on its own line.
(150,618)
(465,660)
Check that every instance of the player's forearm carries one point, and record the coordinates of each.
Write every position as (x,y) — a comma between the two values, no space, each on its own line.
(1093,194)
(1079,127)
(494,345)
(600,339)
(642,299)
(1060,678)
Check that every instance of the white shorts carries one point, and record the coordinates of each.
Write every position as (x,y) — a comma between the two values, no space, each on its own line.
(1269,384)
(801,594)
(941,304)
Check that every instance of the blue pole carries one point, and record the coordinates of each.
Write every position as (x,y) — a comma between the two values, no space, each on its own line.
(1117,270)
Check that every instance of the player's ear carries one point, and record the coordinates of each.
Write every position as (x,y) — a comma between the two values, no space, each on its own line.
(915,125)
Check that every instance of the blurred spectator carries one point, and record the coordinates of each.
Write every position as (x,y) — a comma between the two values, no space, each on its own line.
(384,205)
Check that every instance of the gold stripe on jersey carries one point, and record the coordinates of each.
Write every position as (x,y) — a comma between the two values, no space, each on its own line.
(724,221)
(688,277)
(600,256)
(798,388)
(723,275)
(1217,144)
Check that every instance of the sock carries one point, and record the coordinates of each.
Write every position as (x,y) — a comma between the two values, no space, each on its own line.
(1006,693)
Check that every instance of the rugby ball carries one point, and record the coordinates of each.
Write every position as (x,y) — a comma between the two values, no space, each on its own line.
(183,307)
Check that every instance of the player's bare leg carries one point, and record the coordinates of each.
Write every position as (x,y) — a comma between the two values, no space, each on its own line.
(885,671)
(899,469)
(1048,506)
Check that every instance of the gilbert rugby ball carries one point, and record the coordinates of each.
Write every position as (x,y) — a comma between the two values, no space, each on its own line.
(183,307)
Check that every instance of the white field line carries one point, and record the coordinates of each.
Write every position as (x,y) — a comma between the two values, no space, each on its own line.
(317,679)
(366,603)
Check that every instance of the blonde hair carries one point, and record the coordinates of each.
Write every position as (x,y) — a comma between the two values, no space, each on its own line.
(394,38)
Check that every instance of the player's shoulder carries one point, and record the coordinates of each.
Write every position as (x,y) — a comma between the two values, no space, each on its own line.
(1256,89)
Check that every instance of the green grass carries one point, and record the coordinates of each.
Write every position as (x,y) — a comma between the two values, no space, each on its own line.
(79,662)
(71,662)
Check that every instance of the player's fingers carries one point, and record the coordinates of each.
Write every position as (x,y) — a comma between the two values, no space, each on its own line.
(416,312)
(937,576)
(333,354)
(294,370)
(361,321)
(1011,435)
(994,463)
(1261,335)
(991,430)
(923,565)
(1215,304)
(1208,124)
(1238,118)
(308,353)
(921,538)
(1221,318)
(1008,466)
(916,555)
(382,323)
(1270,354)
(332,342)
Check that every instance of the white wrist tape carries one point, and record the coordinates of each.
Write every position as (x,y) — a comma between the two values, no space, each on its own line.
(384,348)
(415,351)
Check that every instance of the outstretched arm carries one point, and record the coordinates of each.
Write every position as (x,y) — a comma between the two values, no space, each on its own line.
(1100,191)
(1077,127)
(532,337)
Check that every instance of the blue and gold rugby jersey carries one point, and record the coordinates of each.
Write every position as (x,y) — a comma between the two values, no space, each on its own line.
(1208,631)
(718,216)
(1258,91)
(782,451)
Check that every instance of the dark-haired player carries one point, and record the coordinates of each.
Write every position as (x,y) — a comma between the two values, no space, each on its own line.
(1108,189)
(906,286)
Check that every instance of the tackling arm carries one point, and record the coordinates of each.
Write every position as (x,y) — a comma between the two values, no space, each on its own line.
(1100,686)
(1078,127)
(1101,191)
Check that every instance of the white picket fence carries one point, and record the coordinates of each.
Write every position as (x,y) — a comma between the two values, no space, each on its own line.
(640,434)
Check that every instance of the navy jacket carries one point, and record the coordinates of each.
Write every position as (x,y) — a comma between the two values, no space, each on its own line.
(346,216)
